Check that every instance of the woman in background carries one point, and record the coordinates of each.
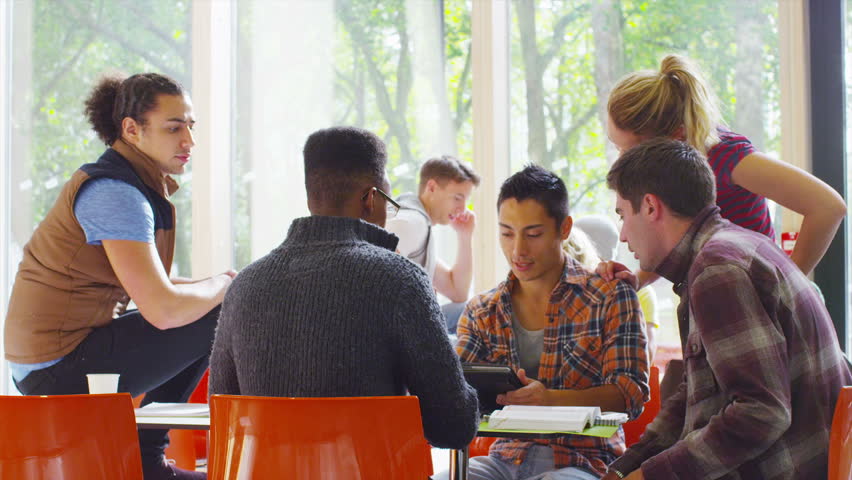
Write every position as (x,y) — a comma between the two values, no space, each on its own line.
(676,102)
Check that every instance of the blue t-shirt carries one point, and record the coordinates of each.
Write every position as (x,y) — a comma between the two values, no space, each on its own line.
(106,209)
(110,209)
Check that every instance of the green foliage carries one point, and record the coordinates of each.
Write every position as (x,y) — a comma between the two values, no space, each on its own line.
(377,85)
(574,143)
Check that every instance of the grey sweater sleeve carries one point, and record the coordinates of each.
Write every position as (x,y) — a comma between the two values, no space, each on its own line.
(431,370)
(223,372)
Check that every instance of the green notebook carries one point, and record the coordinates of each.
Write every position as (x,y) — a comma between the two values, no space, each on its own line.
(603,431)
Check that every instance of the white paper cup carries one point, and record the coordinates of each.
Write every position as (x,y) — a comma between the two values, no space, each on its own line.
(103,382)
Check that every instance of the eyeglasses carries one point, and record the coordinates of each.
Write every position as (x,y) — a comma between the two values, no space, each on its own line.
(391,206)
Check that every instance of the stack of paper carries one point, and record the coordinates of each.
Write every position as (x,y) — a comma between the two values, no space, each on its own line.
(559,419)
(174,410)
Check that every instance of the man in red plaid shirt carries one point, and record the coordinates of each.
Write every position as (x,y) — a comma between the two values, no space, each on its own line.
(763,366)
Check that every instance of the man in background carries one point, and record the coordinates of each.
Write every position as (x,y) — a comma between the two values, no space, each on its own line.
(445,187)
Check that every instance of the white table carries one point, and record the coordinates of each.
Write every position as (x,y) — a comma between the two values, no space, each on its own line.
(181,423)
(183,416)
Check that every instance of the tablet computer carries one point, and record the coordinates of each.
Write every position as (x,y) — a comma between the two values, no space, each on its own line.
(490,380)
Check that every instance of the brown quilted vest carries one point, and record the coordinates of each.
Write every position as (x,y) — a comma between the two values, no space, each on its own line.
(65,287)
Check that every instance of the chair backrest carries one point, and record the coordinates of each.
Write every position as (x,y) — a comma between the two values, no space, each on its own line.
(69,437)
(840,443)
(317,438)
(636,427)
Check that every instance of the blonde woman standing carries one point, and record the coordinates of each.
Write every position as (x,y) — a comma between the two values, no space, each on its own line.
(676,102)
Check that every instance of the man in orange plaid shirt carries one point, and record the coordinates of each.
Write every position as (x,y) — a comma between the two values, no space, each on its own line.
(572,337)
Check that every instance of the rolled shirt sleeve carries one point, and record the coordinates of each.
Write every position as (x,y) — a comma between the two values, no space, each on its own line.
(625,359)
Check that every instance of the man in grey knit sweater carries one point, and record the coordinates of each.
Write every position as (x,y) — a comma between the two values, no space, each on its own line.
(334,311)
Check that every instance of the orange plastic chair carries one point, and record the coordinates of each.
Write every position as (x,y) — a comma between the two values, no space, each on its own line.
(636,427)
(840,441)
(480,446)
(64,437)
(317,438)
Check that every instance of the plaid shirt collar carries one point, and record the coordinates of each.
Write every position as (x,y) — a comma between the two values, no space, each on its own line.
(573,276)
(675,266)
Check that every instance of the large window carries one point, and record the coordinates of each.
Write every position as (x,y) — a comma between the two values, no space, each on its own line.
(400,68)
(60,50)
(409,70)
(567,55)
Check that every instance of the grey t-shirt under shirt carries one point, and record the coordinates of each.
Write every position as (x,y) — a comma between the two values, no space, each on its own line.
(530,346)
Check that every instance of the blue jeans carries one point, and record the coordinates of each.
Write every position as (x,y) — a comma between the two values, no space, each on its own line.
(452,312)
(538,465)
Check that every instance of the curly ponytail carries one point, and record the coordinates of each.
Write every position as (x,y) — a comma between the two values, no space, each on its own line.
(115,98)
(99,108)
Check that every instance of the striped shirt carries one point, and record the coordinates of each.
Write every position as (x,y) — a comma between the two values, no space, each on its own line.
(763,366)
(593,337)
(738,205)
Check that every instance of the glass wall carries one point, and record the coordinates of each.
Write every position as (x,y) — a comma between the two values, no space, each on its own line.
(567,55)
(60,50)
(400,68)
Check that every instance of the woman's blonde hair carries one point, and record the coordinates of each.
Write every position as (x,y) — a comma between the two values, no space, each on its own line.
(580,247)
(657,104)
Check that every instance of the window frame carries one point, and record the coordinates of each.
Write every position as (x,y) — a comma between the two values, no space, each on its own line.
(827,47)
(5,159)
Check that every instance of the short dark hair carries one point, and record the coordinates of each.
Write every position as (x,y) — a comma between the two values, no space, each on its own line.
(672,170)
(114,98)
(339,160)
(541,185)
(447,168)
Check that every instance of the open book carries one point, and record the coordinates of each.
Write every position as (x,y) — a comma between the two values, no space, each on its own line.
(560,419)
(174,410)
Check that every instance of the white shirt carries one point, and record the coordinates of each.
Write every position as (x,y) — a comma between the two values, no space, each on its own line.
(412,226)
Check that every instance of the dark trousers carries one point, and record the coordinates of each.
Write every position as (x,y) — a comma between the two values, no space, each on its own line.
(167,364)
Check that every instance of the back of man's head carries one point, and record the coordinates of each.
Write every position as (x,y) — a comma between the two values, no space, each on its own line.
(672,170)
(446,168)
(339,161)
(541,185)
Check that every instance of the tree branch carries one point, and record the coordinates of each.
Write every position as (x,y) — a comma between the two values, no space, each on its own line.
(97,27)
(59,73)
(404,76)
(560,143)
(462,106)
(396,126)
(182,49)
(576,200)
(558,37)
